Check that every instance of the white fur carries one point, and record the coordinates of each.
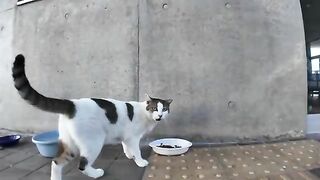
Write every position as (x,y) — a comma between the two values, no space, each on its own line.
(159,114)
(89,130)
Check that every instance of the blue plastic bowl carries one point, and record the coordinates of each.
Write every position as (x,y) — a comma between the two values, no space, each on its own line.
(10,140)
(47,143)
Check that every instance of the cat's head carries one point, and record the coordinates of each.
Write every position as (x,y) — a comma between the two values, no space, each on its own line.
(158,108)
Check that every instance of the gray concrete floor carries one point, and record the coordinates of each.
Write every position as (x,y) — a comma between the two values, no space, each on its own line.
(284,161)
(23,162)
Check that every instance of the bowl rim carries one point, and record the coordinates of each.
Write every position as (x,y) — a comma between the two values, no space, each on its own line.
(45,142)
(17,136)
(7,139)
(153,145)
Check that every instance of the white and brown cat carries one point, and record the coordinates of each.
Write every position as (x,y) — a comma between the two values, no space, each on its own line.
(86,124)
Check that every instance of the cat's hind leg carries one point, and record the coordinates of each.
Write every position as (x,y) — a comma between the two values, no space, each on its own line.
(85,166)
(88,154)
(65,155)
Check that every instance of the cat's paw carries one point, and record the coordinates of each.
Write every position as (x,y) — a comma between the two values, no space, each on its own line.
(142,163)
(98,173)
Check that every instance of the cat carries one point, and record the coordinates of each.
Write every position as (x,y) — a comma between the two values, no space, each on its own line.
(87,124)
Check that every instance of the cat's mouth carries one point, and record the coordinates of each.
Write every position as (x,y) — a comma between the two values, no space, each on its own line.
(159,119)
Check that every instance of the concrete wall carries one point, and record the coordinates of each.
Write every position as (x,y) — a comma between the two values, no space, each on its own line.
(73,49)
(7,103)
(235,69)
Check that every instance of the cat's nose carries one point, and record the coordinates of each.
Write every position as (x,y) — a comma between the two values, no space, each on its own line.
(160,116)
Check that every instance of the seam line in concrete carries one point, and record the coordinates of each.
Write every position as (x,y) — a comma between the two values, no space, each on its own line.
(7,155)
(37,169)
(114,160)
(138,38)
(13,164)
(5,10)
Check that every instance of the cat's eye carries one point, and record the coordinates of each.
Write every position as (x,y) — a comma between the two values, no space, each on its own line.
(154,108)
(164,109)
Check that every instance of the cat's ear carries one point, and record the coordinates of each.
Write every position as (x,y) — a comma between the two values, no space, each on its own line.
(169,101)
(148,101)
(149,97)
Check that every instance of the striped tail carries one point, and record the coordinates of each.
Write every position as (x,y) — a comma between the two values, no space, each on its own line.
(36,99)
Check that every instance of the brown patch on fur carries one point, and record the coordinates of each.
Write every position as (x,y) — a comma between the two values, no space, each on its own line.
(61,148)
(64,154)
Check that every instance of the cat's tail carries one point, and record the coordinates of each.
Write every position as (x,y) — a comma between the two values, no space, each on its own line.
(36,99)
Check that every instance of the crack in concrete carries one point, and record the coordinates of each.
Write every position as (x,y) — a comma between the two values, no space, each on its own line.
(138,49)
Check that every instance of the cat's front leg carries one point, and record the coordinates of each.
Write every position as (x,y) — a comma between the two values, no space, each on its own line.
(126,151)
(133,146)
